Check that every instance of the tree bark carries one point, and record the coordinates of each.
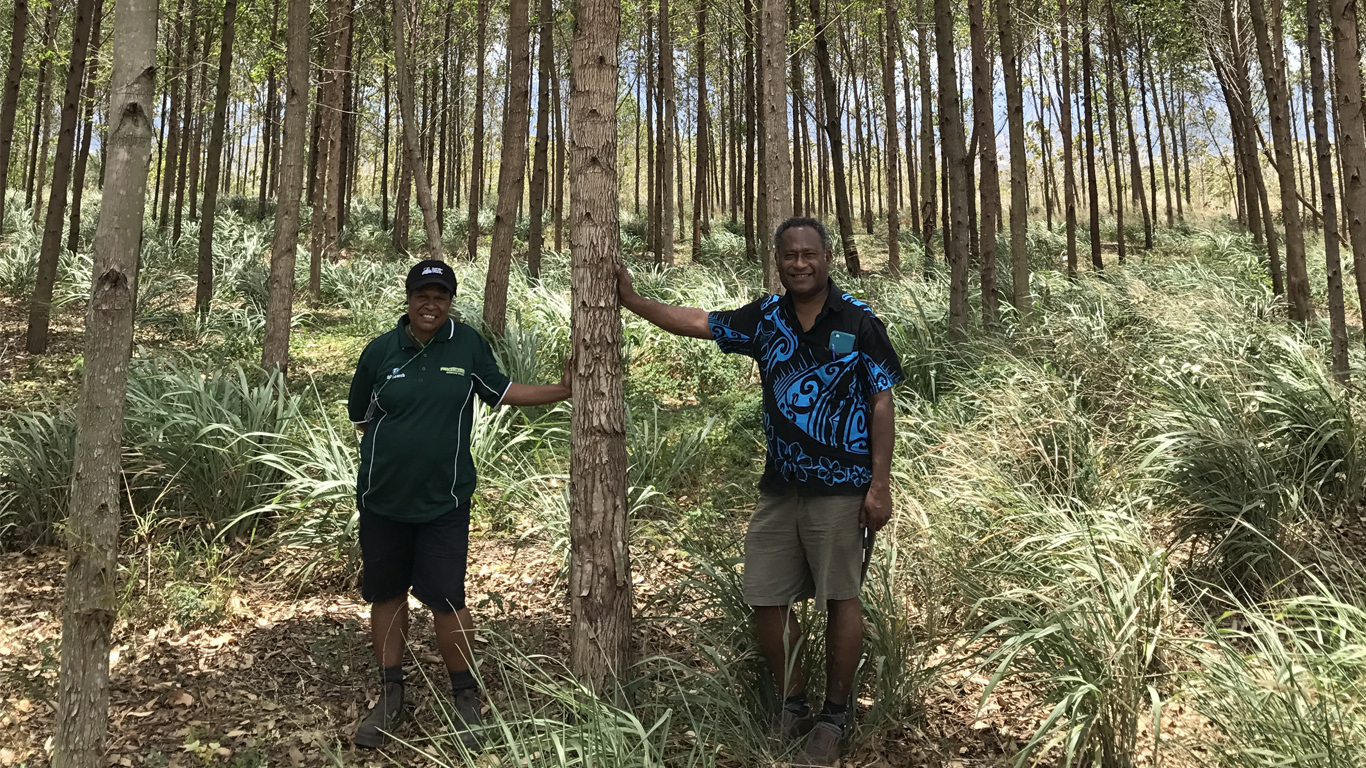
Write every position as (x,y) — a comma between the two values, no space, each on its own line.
(9,103)
(1019,164)
(955,169)
(664,153)
(1087,78)
(73,239)
(477,151)
(285,243)
(701,132)
(1351,134)
(777,163)
(1273,77)
(1135,165)
(1112,65)
(928,187)
(204,289)
(833,131)
(891,157)
(540,165)
(89,603)
(511,168)
(989,184)
(1337,315)
(413,150)
(40,311)
(600,566)
(752,128)
(171,168)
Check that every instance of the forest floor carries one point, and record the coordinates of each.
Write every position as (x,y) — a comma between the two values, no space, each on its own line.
(284,677)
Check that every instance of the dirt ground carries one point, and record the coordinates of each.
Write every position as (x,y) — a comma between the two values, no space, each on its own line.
(286,676)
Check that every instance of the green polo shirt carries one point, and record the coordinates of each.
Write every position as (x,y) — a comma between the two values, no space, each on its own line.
(415,462)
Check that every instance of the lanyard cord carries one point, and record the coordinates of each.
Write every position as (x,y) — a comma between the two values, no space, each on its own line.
(374,398)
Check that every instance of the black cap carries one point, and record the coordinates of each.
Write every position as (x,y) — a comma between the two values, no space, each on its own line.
(430,272)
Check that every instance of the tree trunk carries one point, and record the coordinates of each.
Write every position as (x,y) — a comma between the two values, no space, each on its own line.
(891,157)
(271,113)
(989,185)
(89,603)
(9,104)
(284,245)
(477,156)
(1146,65)
(540,166)
(557,106)
(1273,77)
(955,169)
(1337,320)
(927,154)
(178,55)
(40,311)
(204,290)
(511,168)
(843,209)
(752,127)
(777,164)
(600,566)
(664,151)
(384,158)
(1135,166)
(699,199)
(1351,135)
(73,239)
(337,144)
(1088,91)
(1019,164)
(1112,65)
(403,205)
(41,119)
(413,151)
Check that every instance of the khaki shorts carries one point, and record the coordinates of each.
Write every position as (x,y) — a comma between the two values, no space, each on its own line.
(800,547)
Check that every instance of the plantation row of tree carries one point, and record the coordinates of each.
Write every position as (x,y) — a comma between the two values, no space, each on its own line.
(1107,108)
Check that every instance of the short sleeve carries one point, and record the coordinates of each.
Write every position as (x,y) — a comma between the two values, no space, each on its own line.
(490,383)
(362,385)
(882,366)
(734,330)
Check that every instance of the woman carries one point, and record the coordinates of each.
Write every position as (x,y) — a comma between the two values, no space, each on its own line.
(412,400)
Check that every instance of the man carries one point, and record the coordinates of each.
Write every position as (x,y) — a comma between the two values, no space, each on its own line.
(412,399)
(828,369)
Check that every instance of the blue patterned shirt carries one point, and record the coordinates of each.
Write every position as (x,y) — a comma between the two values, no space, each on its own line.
(817,403)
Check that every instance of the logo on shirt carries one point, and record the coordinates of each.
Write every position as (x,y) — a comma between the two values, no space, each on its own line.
(454,370)
(397,374)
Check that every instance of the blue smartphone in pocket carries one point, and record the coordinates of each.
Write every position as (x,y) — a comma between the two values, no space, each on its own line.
(841,343)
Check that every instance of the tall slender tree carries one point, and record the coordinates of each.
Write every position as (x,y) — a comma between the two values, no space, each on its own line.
(285,243)
(989,183)
(777,164)
(1011,71)
(40,310)
(891,158)
(9,102)
(843,209)
(1351,133)
(540,166)
(955,169)
(475,198)
(214,163)
(1337,315)
(403,74)
(511,167)
(89,603)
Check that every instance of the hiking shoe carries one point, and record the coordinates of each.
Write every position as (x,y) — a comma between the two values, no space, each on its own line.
(788,727)
(383,720)
(469,717)
(822,747)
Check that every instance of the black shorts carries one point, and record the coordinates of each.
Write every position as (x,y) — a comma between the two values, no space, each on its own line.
(428,557)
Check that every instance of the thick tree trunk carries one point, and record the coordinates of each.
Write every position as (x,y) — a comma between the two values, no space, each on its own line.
(40,311)
(833,131)
(284,245)
(989,185)
(1272,58)
(1351,134)
(891,157)
(477,151)
(89,603)
(511,168)
(9,103)
(777,164)
(600,564)
(955,169)
(73,239)
(412,149)
(1019,164)
(213,166)
(1337,315)
(540,165)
